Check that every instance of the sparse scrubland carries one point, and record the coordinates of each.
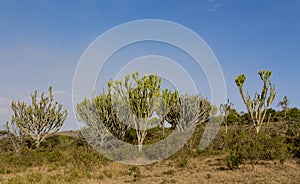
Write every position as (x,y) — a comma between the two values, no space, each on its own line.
(260,146)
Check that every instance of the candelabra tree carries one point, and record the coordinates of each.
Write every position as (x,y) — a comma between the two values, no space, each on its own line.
(167,99)
(284,104)
(139,96)
(225,110)
(189,111)
(257,107)
(193,111)
(94,129)
(39,119)
(15,136)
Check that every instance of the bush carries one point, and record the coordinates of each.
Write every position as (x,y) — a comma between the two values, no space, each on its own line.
(58,141)
(292,114)
(55,152)
(246,145)
(135,171)
(271,115)
(293,138)
(233,161)
(34,178)
(232,118)
(244,118)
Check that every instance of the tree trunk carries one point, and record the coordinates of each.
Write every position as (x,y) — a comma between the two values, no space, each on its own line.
(140,143)
(163,127)
(257,128)
(37,144)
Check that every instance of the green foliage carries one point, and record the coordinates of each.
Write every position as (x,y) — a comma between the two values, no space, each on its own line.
(135,172)
(38,120)
(240,80)
(293,114)
(293,136)
(156,134)
(34,177)
(270,144)
(16,180)
(271,115)
(257,107)
(189,111)
(244,119)
(141,96)
(100,118)
(233,161)
(166,105)
(131,104)
(232,118)
(139,100)
(75,159)
(55,151)
(58,142)
(107,110)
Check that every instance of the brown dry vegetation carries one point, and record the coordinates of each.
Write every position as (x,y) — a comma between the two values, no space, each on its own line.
(273,156)
(197,170)
(68,160)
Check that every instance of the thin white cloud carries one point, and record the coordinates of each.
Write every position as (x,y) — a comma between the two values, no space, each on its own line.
(215,7)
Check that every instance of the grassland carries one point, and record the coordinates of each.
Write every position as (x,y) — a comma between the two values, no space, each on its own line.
(67,158)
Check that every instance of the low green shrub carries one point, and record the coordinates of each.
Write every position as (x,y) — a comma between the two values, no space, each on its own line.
(34,178)
(245,145)
(293,137)
(135,172)
(233,161)
(57,178)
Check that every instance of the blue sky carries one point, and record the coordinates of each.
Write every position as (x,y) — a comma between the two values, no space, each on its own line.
(41,42)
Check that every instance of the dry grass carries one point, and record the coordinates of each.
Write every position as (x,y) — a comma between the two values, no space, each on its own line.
(196,170)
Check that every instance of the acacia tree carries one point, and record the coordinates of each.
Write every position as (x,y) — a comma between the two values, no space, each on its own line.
(257,107)
(40,119)
(139,100)
(225,110)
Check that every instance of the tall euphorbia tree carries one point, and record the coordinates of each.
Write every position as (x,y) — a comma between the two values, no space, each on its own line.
(165,102)
(39,119)
(257,107)
(140,95)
